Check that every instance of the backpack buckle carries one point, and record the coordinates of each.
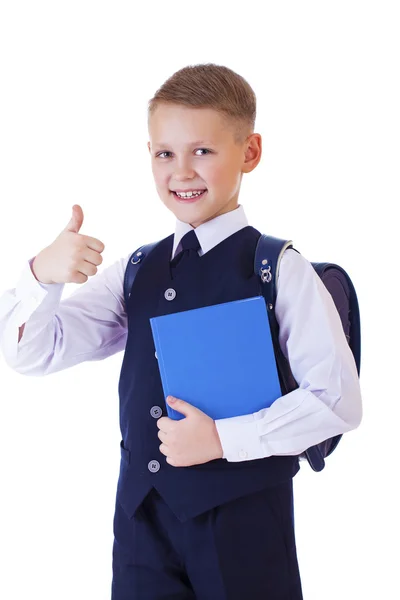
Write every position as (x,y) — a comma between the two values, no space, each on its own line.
(265,272)
(137,256)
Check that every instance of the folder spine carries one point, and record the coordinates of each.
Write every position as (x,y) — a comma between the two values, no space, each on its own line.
(160,358)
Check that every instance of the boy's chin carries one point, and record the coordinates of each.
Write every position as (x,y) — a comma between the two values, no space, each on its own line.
(186,212)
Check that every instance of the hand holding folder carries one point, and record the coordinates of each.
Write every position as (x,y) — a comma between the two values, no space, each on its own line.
(218,358)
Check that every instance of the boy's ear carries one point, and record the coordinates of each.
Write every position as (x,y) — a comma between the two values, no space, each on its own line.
(252,153)
(148,145)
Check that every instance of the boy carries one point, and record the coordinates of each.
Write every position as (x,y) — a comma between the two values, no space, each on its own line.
(203,508)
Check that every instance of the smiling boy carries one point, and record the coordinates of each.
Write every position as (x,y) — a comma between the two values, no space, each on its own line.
(204,509)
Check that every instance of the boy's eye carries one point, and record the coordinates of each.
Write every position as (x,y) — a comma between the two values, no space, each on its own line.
(168,152)
(205,149)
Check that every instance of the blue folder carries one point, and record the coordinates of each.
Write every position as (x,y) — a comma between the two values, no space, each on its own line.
(219,358)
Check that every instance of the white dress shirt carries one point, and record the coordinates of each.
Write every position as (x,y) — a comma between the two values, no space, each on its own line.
(91,324)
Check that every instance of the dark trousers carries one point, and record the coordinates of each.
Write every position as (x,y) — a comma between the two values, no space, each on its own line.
(242,550)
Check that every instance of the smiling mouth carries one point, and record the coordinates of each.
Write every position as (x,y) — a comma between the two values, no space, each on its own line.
(189,199)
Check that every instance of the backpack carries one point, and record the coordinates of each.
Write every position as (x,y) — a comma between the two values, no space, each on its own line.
(268,254)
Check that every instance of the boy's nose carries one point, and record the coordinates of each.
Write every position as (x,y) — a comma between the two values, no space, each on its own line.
(184,175)
(183,171)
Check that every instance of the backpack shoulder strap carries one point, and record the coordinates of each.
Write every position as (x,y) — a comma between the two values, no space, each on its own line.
(268,255)
(132,268)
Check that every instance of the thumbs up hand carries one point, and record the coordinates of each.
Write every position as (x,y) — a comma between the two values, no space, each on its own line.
(72,257)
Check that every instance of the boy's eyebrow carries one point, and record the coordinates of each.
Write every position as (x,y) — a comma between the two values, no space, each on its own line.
(198,143)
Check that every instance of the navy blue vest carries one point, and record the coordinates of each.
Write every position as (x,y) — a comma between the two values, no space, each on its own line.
(224,274)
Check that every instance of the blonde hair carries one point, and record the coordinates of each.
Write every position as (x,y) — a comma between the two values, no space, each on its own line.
(211,86)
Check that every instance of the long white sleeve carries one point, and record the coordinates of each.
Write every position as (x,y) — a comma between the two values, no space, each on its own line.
(90,324)
(328,400)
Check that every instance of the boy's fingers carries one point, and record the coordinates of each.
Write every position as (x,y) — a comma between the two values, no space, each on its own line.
(165,424)
(181,406)
(164,449)
(162,435)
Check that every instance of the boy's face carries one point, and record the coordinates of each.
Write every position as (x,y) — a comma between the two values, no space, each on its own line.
(193,149)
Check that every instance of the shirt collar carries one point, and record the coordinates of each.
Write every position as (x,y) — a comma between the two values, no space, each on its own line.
(212,232)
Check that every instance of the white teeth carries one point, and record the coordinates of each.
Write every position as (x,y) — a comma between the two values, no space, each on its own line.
(189,194)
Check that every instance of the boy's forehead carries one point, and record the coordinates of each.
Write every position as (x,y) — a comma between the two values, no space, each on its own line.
(186,125)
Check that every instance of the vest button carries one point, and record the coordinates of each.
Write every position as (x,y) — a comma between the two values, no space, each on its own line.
(153,466)
(155,412)
(169,294)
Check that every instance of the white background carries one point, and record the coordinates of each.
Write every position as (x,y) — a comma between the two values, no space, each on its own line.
(75,81)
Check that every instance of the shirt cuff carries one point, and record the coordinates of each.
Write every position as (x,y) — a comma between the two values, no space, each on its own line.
(33,298)
(240,439)
(32,292)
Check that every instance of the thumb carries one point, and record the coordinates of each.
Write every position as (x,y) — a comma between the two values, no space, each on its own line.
(181,406)
(76,220)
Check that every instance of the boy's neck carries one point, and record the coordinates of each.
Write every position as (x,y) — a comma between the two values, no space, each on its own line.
(195,225)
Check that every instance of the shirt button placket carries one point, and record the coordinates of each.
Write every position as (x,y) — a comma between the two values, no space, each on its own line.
(155,411)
